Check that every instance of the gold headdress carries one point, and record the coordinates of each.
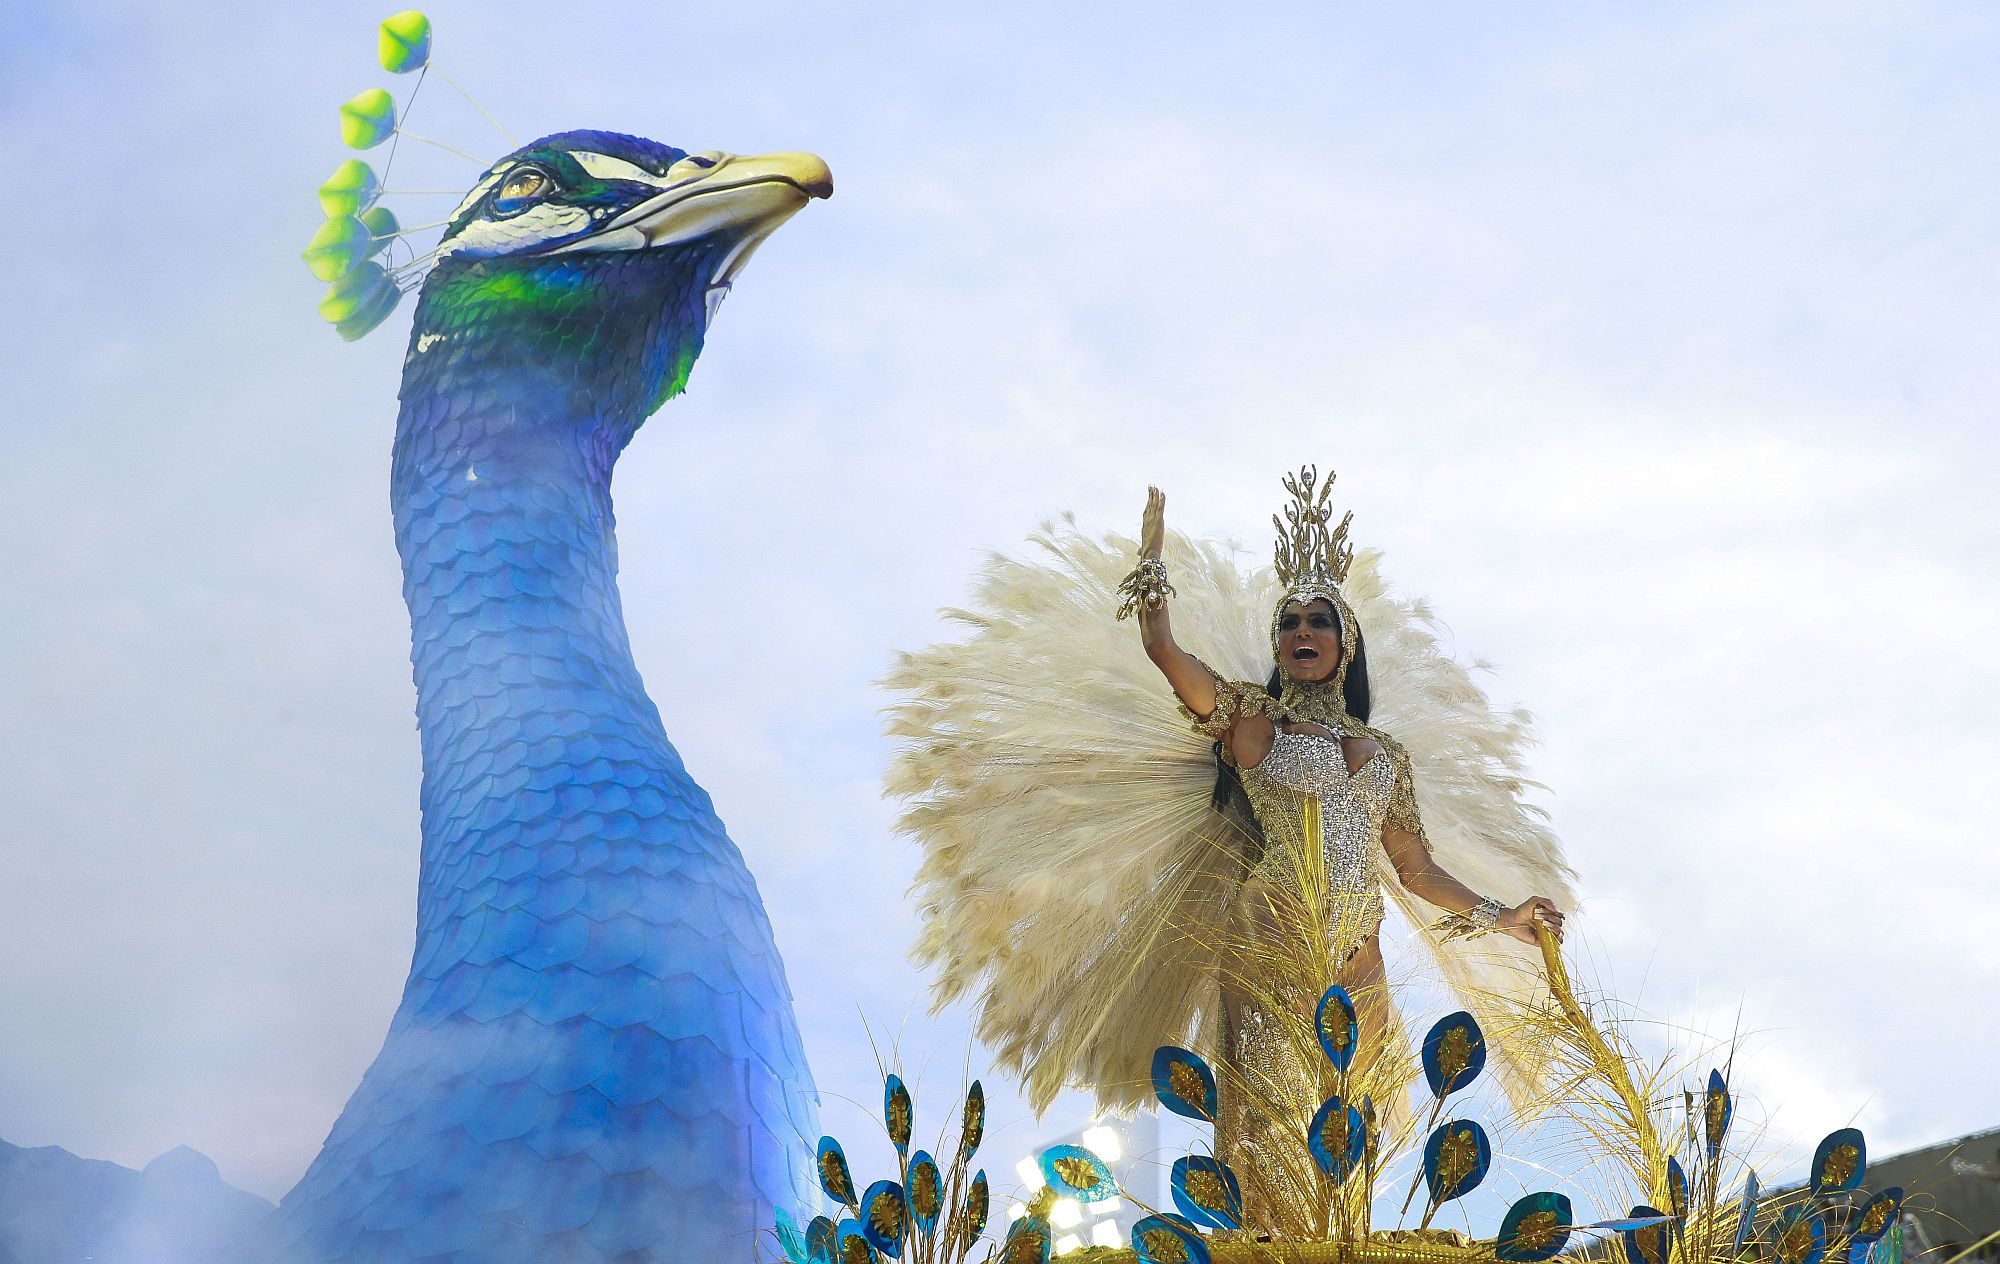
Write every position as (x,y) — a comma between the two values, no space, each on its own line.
(1308,553)
(1312,559)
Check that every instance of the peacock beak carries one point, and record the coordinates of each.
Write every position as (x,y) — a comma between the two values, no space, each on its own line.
(742,198)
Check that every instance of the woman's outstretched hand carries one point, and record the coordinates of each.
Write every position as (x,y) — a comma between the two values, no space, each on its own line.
(1520,922)
(1153,528)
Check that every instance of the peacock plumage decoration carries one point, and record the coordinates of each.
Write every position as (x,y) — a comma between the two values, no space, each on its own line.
(1333,1176)
(595,1056)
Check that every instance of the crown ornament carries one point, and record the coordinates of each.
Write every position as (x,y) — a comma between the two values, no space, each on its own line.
(1308,552)
(361,249)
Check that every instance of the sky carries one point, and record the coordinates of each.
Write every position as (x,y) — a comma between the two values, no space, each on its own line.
(1653,347)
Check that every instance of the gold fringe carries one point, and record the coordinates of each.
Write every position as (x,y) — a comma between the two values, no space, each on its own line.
(1399,1247)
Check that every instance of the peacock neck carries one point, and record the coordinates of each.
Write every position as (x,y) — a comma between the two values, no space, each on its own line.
(523,668)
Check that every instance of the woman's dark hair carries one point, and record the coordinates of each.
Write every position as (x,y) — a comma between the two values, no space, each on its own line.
(1353,694)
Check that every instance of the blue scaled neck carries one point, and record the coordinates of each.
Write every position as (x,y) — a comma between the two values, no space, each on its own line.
(595,1057)
(505,529)
(521,387)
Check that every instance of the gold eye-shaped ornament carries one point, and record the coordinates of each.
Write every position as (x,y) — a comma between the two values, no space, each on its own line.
(522,188)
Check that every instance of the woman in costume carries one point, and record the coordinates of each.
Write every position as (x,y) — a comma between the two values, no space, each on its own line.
(1305,734)
(1085,884)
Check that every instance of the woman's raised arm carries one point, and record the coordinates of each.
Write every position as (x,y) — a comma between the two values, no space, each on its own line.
(1146,592)
(1246,730)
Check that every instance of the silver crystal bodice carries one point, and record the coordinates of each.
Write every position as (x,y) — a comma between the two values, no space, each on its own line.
(1352,809)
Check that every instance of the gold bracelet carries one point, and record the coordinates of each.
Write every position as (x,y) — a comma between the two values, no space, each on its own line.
(1480,919)
(1146,588)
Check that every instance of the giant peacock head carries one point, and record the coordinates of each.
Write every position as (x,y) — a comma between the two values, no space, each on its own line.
(588,265)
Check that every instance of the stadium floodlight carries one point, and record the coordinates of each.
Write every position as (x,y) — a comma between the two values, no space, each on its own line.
(1104,1143)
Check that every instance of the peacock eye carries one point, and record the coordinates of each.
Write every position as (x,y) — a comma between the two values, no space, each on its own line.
(521,188)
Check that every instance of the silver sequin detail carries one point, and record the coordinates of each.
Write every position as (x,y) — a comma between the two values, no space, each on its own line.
(1352,809)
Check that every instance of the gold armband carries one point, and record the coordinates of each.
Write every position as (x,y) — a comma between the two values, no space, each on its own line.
(1234,700)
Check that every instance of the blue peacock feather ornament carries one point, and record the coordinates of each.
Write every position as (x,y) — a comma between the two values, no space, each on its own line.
(595,1056)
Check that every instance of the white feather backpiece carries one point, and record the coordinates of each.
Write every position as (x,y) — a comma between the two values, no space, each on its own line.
(1076,882)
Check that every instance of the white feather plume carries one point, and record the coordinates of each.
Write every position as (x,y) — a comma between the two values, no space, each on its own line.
(1076,881)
